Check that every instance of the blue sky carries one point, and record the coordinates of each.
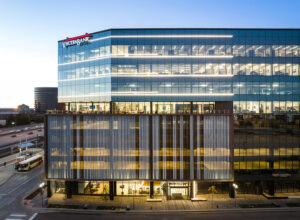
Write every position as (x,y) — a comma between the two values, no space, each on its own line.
(30,30)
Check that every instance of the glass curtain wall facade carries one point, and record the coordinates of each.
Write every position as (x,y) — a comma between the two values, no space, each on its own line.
(45,98)
(192,71)
(137,147)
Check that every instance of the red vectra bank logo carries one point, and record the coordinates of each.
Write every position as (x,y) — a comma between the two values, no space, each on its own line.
(80,40)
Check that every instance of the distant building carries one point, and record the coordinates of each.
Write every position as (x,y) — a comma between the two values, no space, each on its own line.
(5,113)
(24,109)
(45,98)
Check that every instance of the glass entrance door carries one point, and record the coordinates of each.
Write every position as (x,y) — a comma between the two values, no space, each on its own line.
(178,190)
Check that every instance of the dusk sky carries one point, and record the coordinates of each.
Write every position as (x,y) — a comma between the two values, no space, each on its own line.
(30,30)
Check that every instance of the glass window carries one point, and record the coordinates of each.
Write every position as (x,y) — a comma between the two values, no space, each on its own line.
(276,69)
(228,50)
(256,69)
(288,51)
(268,69)
(210,50)
(295,70)
(259,50)
(249,51)
(289,69)
(295,50)
(249,69)
(198,68)
(281,51)
(268,51)
(203,107)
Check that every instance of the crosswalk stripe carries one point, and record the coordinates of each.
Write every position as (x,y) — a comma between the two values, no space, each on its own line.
(18,215)
(13,219)
(33,216)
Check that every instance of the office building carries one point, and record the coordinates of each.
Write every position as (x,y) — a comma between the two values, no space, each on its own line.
(163,112)
(45,98)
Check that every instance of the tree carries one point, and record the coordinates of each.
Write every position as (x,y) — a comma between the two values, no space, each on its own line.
(10,119)
(23,119)
(212,189)
(122,187)
(105,192)
(164,188)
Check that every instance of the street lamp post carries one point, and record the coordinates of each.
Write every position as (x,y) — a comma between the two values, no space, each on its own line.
(42,191)
(235,186)
(36,141)
(133,194)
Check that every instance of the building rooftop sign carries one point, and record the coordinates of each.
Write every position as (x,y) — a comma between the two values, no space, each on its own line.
(79,40)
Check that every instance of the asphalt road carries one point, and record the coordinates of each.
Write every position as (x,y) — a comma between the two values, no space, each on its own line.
(9,140)
(257,215)
(6,129)
(13,191)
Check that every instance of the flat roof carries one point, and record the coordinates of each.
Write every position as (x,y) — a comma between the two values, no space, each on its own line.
(28,144)
(134,29)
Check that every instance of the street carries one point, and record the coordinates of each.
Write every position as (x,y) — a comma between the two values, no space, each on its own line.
(18,127)
(9,140)
(12,192)
(175,216)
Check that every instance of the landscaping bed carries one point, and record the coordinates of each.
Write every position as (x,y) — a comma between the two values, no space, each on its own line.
(65,206)
(293,204)
(33,194)
(109,208)
(271,205)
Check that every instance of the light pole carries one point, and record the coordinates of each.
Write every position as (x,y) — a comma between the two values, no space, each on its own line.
(133,194)
(235,186)
(42,191)
(36,141)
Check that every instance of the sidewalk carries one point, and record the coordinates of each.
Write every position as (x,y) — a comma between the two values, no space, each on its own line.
(220,201)
(6,172)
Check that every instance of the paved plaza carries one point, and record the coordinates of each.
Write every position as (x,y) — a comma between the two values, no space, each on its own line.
(221,201)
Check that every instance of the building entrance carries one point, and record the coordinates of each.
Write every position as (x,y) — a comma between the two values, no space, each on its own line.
(178,190)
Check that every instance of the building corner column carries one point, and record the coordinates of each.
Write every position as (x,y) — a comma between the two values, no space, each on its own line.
(111,190)
(49,191)
(115,188)
(271,187)
(68,186)
(193,190)
(151,189)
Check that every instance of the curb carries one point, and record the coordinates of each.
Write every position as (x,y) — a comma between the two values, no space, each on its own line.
(213,211)
(27,202)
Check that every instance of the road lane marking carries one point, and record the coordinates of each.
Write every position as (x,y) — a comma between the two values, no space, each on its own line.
(33,216)
(13,219)
(18,215)
(20,185)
